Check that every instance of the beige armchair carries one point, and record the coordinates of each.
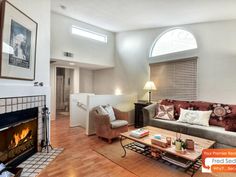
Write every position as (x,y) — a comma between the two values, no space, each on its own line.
(110,129)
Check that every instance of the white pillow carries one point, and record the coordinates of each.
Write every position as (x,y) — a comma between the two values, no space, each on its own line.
(101,110)
(110,112)
(194,117)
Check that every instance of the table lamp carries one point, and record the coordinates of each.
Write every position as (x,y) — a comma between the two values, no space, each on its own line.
(149,86)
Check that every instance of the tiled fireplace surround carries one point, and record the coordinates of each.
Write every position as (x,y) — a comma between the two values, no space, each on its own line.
(11,104)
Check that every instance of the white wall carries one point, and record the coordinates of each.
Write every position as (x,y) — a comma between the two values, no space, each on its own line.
(53,91)
(78,109)
(85,50)
(40,12)
(216,61)
(86,81)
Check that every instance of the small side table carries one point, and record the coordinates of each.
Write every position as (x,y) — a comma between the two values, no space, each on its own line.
(138,120)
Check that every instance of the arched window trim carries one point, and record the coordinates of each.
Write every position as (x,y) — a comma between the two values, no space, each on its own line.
(163,33)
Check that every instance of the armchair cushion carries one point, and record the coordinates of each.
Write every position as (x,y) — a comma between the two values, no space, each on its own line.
(110,112)
(118,123)
(101,111)
(106,110)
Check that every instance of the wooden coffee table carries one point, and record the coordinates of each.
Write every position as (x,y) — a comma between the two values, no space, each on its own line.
(190,155)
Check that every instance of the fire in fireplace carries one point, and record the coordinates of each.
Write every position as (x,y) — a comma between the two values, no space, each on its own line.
(18,137)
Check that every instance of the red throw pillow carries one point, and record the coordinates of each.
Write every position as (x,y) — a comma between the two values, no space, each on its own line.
(219,113)
(230,123)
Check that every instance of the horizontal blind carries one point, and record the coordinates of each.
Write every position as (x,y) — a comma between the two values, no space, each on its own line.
(175,80)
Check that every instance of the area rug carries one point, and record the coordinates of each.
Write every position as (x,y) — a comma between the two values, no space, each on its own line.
(35,164)
(143,166)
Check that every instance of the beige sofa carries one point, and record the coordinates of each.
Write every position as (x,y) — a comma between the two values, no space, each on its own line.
(224,139)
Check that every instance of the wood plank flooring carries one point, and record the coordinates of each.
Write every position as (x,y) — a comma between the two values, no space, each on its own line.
(78,159)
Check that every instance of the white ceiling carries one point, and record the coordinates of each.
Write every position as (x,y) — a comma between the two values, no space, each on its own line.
(123,15)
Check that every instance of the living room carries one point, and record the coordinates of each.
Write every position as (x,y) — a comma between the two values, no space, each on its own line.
(111,50)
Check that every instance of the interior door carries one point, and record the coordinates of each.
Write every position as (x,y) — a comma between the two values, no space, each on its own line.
(60,93)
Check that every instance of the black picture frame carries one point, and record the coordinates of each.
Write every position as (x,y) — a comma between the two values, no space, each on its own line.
(18,43)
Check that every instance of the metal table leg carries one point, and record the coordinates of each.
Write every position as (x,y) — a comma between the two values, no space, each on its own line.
(121,138)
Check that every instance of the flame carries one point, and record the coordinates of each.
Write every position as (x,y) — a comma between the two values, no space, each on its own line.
(19,136)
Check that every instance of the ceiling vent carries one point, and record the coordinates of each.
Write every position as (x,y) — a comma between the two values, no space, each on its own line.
(68,54)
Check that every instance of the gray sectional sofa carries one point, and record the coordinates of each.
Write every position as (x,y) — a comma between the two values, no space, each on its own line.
(224,139)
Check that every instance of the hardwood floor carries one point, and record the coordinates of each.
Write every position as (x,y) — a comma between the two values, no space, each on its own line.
(78,159)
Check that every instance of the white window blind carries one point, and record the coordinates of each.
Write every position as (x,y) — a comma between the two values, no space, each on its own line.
(175,80)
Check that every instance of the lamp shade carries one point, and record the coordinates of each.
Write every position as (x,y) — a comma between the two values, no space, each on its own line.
(149,86)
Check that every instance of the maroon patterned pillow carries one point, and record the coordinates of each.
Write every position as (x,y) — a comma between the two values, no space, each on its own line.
(219,112)
(201,105)
(230,123)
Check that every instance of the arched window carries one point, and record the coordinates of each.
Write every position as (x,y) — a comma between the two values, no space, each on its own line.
(175,40)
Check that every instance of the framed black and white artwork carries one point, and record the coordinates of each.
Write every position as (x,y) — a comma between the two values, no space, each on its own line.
(18,43)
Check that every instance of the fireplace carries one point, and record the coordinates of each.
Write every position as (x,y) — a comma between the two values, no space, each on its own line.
(18,135)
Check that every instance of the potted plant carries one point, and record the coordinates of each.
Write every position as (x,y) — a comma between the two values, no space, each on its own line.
(179,144)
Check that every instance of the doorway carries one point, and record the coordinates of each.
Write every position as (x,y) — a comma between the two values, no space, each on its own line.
(64,87)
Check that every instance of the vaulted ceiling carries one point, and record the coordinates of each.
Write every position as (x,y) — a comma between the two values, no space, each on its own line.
(123,15)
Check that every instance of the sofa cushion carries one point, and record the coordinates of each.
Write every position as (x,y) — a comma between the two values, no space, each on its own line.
(118,123)
(106,110)
(169,125)
(110,112)
(215,133)
(101,111)
(219,112)
(230,123)
(194,117)
(200,105)
(165,112)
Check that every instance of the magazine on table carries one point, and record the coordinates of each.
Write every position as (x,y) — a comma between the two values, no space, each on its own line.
(139,133)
